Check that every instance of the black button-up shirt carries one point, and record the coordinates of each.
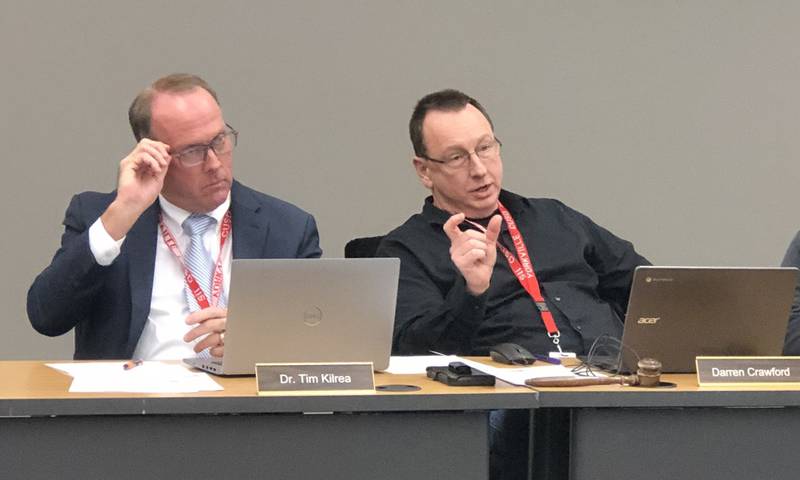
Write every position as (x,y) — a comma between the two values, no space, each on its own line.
(584,272)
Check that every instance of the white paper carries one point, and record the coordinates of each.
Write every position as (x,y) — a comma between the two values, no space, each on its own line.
(149,377)
(515,376)
(417,363)
(518,375)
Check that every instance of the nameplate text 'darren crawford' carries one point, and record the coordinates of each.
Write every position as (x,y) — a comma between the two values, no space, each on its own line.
(742,371)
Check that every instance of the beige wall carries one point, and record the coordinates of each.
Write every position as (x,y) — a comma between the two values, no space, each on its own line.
(671,123)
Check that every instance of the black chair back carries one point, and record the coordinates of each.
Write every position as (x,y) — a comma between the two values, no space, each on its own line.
(364,247)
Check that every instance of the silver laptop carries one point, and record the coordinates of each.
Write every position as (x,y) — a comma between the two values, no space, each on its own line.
(677,313)
(307,310)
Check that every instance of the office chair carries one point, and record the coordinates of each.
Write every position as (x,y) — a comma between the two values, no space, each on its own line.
(364,247)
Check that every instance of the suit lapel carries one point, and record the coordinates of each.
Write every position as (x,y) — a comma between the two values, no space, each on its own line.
(249,230)
(141,245)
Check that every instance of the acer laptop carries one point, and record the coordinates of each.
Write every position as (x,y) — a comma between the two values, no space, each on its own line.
(677,313)
(307,310)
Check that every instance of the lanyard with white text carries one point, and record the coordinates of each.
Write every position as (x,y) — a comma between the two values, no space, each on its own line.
(194,287)
(523,269)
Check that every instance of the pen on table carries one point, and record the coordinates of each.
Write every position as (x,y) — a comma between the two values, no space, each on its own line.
(131,364)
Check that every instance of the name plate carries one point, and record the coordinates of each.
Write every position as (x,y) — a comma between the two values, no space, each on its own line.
(743,371)
(315,378)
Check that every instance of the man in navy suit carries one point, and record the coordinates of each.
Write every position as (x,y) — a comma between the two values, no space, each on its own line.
(121,277)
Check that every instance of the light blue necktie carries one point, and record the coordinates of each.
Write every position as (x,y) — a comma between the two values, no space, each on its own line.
(198,259)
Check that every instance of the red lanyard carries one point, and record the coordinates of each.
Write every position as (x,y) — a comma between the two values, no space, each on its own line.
(194,287)
(523,269)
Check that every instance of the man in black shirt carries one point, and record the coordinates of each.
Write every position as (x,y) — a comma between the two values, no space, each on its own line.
(458,296)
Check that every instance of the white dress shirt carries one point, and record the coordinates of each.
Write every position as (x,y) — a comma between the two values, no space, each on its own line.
(162,337)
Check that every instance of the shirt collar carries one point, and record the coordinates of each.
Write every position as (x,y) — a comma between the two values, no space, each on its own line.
(436,216)
(178,215)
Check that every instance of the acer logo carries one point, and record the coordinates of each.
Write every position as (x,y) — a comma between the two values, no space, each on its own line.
(648,320)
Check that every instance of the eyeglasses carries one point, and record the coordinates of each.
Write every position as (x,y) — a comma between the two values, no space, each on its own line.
(222,144)
(486,151)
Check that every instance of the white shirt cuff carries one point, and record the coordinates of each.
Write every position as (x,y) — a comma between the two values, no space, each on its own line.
(104,248)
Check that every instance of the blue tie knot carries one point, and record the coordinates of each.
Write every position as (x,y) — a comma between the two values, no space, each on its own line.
(197,224)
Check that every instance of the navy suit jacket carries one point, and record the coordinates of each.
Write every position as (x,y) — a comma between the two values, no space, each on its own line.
(108,306)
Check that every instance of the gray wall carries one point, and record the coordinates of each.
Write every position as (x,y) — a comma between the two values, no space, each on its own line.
(670,122)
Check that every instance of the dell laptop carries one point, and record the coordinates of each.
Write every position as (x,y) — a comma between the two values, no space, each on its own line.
(307,310)
(678,313)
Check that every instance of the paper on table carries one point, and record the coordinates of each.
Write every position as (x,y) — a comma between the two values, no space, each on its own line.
(417,363)
(517,376)
(150,377)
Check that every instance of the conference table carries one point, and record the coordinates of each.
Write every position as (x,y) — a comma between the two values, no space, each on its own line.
(680,432)
(436,432)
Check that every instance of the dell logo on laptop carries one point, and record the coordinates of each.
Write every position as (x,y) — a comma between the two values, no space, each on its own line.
(648,320)
(312,317)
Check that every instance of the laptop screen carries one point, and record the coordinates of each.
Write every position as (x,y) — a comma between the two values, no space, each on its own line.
(310,310)
(678,313)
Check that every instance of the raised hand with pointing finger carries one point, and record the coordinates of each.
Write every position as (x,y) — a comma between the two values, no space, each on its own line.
(473,252)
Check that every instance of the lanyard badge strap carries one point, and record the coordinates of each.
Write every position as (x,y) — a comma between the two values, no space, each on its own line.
(216,283)
(523,269)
